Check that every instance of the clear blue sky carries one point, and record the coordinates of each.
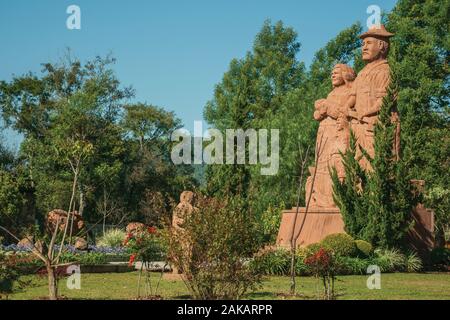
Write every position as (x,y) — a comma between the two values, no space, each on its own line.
(171,52)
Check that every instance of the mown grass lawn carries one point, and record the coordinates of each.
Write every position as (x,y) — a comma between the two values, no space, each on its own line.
(124,286)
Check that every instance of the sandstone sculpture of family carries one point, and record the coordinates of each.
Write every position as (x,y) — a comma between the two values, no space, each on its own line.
(353,104)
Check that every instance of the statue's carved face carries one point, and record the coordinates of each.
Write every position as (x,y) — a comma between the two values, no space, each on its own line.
(336,77)
(372,49)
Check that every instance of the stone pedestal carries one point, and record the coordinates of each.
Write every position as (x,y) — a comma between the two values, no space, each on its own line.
(421,237)
(319,223)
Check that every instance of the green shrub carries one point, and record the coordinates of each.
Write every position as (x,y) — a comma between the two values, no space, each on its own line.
(88,258)
(112,238)
(301,269)
(270,223)
(412,262)
(351,266)
(440,257)
(365,249)
(313,248)
(272,262)
(10,273)
(92,258)
(300,266)
(341,244)
(8,276)
(389,260)
(213,248)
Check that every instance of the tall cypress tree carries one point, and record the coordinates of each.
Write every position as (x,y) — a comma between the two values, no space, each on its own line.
(376,205)
(422,55)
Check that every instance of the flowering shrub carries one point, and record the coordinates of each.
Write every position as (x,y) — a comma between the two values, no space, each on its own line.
(322,264)
(145,246)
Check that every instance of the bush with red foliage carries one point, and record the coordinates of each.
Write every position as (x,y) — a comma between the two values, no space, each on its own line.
(323,265)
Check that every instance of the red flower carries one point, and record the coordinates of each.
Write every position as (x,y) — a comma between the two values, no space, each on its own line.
(151,230)
(127,238)
(132,258)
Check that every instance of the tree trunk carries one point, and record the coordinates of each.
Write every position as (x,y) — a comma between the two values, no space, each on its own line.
(71,208)
(52,283)
(139,280)
(292,270)
(141,144)
(104,209)
(293,239)
(82,203)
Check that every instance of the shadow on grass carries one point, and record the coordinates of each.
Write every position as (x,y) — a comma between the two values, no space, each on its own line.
(260,295)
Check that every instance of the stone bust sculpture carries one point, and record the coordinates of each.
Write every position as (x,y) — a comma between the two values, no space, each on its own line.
(332,136)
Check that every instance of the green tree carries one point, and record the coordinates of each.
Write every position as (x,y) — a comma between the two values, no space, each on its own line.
(420,56)
(148,123)
(250,95)
(11,200)
(153,183)
(64,112)
(376,205)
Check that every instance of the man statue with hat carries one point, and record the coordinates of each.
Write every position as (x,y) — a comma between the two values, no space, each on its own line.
(369,89)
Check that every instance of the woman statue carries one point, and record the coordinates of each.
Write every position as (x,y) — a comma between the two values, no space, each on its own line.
(332,137)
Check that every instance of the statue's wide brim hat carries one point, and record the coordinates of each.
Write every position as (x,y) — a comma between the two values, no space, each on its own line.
(377,31)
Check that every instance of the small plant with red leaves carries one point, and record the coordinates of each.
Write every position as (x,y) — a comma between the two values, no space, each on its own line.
(322,263)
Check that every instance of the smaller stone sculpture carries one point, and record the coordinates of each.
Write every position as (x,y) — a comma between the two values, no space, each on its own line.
(135,227)
(61,215)
(185,207)
(182,211)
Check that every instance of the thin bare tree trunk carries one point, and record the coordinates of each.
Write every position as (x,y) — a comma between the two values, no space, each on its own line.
(72,199)
(161,276)
(295,237)
(82,203)
(72,205)
(139,280)
(104,208)
(293,284)
(312,188)
(52,282)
